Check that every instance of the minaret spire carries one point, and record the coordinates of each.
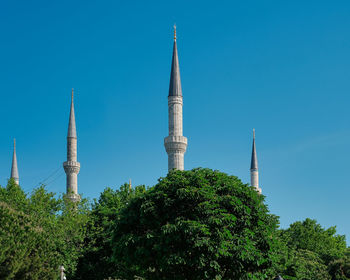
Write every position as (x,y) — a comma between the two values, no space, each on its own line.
(175,81)
(72,166)
(14,168)
(72,131)
(254,172)
(175,144)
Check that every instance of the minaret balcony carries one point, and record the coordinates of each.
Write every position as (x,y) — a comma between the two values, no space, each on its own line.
(71,167)
(74,197)
(175,144)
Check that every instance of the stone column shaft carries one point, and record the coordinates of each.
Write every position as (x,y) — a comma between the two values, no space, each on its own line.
(175,144)
(72,168)
(175,115)
(254,179)
(71,149)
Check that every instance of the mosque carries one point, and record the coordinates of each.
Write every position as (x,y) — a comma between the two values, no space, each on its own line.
(175,144)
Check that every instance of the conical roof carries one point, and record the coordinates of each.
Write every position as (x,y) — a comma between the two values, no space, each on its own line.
(175,81)
(72,131)
(14,167)
(254,161)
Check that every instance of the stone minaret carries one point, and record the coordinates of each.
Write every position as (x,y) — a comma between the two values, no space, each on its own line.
(175,144)
(254,173)
(14,168)
(72,166)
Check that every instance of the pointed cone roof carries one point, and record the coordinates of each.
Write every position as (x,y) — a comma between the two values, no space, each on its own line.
(175,82)
(14,168)
(254,162)
(72,131)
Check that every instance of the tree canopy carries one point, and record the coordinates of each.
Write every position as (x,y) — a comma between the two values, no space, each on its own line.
(38,233)
(96,262)
(198,224)
(312,252)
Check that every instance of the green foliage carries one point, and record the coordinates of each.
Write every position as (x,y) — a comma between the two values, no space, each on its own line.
(308,251)
(38,233)
(309,235)
(95,262)
(340,268)
(306,265)
(198,224)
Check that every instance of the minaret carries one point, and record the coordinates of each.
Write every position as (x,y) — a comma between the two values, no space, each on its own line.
(72,166)
(175,144)
(254,173)
(14,168)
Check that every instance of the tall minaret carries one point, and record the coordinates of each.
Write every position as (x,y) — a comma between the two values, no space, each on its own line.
(175,144)
(254,173)
(72,166)
(14,168)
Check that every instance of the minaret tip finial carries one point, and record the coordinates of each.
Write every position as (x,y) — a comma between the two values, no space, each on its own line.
(72,93)
(14,142)
(130,187)
(175,32)
(253,133)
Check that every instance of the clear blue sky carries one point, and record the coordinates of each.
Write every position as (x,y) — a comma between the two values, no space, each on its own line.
(281,67)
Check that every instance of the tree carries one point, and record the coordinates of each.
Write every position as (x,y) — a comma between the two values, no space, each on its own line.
(340,268)
(311,249)
(96,263)
(306,265)
(198,224)
(22,238)
(311,236)
(38,232)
